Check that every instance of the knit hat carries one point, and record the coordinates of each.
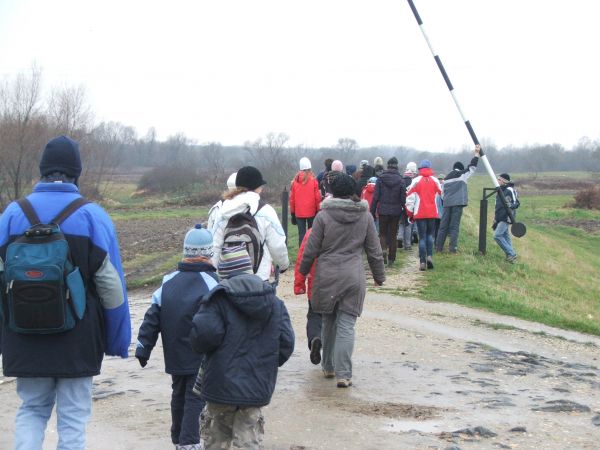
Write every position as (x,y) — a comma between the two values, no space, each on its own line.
(411,167)
(198,242)
(343,185)
(392,163)
(231,181)
(378,161)
(504,177)
(458,166)
(337,165)
(234,261)
(350,169)
(363,163)
(61,154)
(249,177)
(425,164)
(305,163)
(372,180)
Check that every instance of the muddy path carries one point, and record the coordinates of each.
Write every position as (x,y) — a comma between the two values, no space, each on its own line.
(427,375)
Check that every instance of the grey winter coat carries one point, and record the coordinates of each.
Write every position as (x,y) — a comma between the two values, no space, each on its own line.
(340,232)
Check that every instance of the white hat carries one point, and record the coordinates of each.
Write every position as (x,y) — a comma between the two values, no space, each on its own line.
(231,181)
(305,163)
(411,167)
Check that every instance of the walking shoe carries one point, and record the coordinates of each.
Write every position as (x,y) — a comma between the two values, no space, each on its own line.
(315,350)
(429,262)
(344,382)
(328,374)
(512,259)
(422,266)
(408,248)
(391,262)
(400,242)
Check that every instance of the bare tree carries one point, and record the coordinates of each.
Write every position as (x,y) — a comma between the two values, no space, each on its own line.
(272,156)
(69,112)
(23,132)
(213,162)
(347,149)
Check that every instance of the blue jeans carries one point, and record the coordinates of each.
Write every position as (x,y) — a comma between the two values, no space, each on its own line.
(303,225)
(338,343)
(502,237)
(73,398)
(425,228)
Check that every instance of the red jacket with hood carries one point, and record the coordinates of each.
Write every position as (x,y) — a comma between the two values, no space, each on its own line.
(421,196)
(305,196)
(367,193)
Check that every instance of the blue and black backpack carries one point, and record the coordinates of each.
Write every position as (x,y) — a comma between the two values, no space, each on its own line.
(43,291)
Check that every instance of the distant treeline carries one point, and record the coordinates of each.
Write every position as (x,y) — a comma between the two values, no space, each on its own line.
(28,119)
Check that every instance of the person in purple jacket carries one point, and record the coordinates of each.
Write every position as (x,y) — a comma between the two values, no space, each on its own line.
(58,368)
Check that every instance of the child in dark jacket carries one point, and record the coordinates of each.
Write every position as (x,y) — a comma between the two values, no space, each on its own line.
(246,334)
(173,307)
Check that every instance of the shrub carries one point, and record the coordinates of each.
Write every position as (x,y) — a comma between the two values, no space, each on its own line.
(169,179)
(588,198)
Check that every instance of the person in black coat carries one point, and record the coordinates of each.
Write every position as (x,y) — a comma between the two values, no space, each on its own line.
(388,201)
(246,334)
(170,315)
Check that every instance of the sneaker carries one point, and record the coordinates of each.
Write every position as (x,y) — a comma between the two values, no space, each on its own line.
(429,262)
(512,259)
(344,382)
(422,266)
(408,248)
(328,374)
(315,350)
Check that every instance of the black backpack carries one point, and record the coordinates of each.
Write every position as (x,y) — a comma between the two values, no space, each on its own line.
(241,228)
(43,291)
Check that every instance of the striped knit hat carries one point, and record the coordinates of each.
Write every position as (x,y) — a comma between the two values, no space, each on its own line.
(234,261)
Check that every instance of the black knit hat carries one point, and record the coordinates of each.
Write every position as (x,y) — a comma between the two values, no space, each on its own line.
(504,177)
(392,163)
(61,154)
(249,177)
(458,166)
(343,186)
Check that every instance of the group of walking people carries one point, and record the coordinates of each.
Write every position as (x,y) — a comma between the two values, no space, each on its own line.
(223,328)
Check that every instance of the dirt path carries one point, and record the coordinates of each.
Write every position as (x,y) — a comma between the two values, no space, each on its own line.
(422,371)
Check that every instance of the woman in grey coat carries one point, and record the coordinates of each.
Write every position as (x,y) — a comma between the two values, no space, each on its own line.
(340,232)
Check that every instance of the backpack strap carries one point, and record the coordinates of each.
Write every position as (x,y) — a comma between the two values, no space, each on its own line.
(29,212)
(261,203)
(69,209)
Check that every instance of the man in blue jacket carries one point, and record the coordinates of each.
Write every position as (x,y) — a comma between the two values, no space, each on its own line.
(58,368)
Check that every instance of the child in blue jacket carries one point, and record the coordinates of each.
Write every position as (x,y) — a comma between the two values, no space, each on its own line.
(246,334)
(173,306)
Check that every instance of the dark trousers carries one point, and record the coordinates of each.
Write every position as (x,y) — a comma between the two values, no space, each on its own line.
(303,225)
(314,324)
(185,411)
(426,228)
(388,230)
(450,225)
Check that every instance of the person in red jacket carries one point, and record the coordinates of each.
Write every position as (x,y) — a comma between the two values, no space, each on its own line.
(422,208)
(305,198)
(367,194)
(313,319)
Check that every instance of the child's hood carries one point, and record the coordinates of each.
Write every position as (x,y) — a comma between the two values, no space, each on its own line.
(250,295)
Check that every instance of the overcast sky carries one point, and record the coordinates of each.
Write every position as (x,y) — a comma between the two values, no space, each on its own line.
(524,71)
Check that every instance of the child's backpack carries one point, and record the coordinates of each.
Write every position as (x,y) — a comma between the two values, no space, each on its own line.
(241,228)
(43,290)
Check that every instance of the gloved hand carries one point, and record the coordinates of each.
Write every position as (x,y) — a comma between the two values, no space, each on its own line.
(294,221)
(494,225)
(143,361)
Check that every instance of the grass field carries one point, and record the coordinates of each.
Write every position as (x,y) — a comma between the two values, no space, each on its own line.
(556,279)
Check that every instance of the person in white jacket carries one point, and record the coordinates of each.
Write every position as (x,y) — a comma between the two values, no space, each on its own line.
(249,183)
(215,211)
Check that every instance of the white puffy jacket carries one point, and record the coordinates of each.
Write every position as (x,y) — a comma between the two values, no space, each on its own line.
(275,249)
